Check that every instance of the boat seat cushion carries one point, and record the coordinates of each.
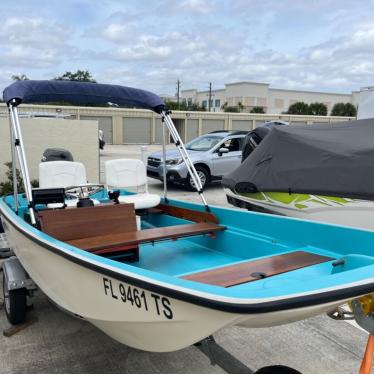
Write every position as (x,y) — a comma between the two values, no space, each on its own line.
(141,200)
(123,173)
(61,174)
(126,173)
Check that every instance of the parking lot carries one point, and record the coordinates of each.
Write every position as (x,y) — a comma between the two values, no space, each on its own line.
(59,343)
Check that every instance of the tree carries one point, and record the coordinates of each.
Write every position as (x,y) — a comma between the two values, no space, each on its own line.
(344,110)
(21,77)
(318,109)
(196,108)
(298,108)
(231,109)
(240,106)
(78,76)
(257,109)
(173,105)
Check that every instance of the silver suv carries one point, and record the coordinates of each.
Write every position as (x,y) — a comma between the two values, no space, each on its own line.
(214,155)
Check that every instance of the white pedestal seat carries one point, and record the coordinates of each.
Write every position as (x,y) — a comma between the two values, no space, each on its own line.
(124,173)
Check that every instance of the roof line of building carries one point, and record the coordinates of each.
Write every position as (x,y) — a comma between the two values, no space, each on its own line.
(214,90)
(247,82)
(313,92)
(270,89)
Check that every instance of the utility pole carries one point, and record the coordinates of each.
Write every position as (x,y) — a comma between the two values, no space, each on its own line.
(178,90)
(210,96)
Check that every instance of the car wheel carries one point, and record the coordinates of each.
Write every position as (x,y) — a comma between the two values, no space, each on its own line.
(277,369)
(203,175)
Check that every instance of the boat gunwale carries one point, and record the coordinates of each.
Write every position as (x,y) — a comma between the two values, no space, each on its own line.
(187,295)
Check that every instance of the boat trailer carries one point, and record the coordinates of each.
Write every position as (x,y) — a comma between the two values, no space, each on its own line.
(5,250)
(18,290)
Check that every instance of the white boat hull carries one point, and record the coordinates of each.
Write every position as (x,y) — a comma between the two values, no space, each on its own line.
(84,292)
(97,298)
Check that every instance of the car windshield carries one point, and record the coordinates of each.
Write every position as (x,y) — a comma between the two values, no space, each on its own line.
(204,143)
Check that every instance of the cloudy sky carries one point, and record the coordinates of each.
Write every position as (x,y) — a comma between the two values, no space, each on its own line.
(325,45)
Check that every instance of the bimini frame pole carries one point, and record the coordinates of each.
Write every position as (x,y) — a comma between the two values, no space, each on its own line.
(18,145)
(184,154)
(14,163)
(164,160)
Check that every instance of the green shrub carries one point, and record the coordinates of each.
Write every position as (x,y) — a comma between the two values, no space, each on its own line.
(257,109)
(7,186)
(344,110)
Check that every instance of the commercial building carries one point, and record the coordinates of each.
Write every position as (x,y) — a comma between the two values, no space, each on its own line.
(139,126)
(248,95)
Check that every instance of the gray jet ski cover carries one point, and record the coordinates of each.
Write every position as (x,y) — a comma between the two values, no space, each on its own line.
(334,159)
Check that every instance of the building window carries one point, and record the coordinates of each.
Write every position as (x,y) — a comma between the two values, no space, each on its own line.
(189,101)
(217,103)
(184,101)
(204,102)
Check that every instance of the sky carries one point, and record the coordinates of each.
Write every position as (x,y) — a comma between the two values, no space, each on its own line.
(323,45)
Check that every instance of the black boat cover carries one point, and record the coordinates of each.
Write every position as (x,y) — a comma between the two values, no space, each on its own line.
(323,159)
(80,93)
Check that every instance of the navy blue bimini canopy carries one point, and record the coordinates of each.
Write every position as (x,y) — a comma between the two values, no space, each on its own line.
(81,93)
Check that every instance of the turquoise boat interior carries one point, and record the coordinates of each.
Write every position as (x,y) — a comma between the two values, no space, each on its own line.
(251,255)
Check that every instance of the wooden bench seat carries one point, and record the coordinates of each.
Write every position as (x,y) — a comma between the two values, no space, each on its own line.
(232,275)
(114,242)
(83,223)
(110,229)
(69,224)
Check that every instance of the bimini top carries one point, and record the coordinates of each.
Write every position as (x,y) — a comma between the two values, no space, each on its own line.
(80,93)
(323,159)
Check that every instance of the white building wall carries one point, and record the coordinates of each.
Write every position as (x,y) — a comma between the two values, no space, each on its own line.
(280,100)
(274,101)
(79,137)
(218,99)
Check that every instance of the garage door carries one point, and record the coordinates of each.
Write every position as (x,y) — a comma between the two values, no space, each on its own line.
(158,132)
(192,128)
(137,130)
(105,124)
(259,123)
(241,125)
(210,125)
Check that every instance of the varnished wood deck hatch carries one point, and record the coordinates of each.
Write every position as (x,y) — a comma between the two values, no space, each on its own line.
(232,275)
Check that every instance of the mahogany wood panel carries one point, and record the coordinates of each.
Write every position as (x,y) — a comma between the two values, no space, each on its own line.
(244,272)
(103,242)
(69,224)
(188,214)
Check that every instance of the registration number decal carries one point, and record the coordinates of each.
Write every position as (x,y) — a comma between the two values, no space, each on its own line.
(138,298)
